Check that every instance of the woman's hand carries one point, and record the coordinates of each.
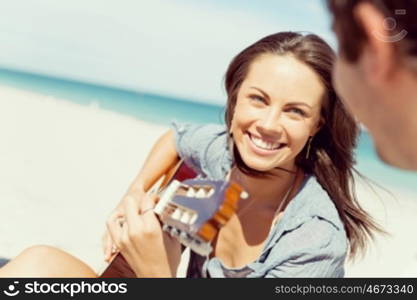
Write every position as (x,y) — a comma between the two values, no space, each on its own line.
(118,213)
(108,246)
(139,237)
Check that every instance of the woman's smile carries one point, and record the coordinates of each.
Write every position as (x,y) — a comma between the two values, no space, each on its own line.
(262,147)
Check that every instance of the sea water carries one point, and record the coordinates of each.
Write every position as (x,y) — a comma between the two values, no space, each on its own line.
(163,109)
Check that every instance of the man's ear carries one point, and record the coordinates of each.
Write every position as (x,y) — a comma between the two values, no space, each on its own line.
(379,49)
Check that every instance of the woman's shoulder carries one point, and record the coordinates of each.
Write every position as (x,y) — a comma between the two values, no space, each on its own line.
(312,200)
(204,147)
(309,231)
(209,129)
(313,249)
(311,214)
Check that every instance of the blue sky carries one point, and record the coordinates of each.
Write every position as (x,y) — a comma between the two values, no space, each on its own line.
(177,47)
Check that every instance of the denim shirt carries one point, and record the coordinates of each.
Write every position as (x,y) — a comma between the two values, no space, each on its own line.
(308,241)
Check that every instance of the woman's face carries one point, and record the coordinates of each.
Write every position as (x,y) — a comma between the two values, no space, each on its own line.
(277,109)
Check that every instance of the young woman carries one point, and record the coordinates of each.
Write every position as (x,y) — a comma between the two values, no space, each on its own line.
(288,141)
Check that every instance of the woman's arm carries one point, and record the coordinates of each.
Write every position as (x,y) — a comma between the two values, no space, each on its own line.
(162,157)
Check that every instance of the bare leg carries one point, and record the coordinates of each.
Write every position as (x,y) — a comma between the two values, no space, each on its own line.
(46,261)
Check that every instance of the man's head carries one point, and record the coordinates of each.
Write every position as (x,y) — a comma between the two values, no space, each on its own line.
(376,72)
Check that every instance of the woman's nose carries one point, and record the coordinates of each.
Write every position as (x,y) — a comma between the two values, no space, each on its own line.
(271,122)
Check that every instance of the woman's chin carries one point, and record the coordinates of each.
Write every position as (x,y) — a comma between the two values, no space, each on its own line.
(258,166)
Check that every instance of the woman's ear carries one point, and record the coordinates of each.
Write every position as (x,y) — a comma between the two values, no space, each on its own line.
(318,126)
(232,126)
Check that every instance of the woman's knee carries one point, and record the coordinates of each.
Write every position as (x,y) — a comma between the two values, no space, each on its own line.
(39,252)
(46,261)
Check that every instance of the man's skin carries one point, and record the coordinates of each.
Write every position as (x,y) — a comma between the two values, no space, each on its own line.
(380,89)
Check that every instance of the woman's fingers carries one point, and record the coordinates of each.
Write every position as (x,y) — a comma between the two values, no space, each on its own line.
(150,222)
(112,237)
(132,213)
(114,228)
(107,241)
(148,203)
(107,245)
(141,222)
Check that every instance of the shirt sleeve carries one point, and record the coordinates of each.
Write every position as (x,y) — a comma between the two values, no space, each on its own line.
(315,249)
(200,146)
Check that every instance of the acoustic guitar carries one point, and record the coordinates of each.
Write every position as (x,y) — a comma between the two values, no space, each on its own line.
(191,210)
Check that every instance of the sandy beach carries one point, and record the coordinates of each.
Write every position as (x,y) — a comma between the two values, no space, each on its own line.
(65,166)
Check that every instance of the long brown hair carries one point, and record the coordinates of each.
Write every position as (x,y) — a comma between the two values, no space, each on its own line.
(331,157)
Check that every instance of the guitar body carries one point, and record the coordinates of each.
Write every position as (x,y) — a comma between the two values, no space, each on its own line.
(118,268)
(191,210)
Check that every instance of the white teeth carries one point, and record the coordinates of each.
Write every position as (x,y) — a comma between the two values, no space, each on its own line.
(264,145)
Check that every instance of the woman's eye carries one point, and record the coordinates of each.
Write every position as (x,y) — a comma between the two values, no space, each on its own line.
(297,111)
(257,98)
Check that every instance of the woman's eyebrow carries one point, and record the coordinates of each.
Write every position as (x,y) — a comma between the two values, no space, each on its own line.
(300,103)
(289,103)
(261,91)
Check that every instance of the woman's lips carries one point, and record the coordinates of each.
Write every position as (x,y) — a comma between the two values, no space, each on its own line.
(258,150)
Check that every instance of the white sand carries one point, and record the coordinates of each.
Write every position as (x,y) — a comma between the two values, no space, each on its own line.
(393,255)
(64,166)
